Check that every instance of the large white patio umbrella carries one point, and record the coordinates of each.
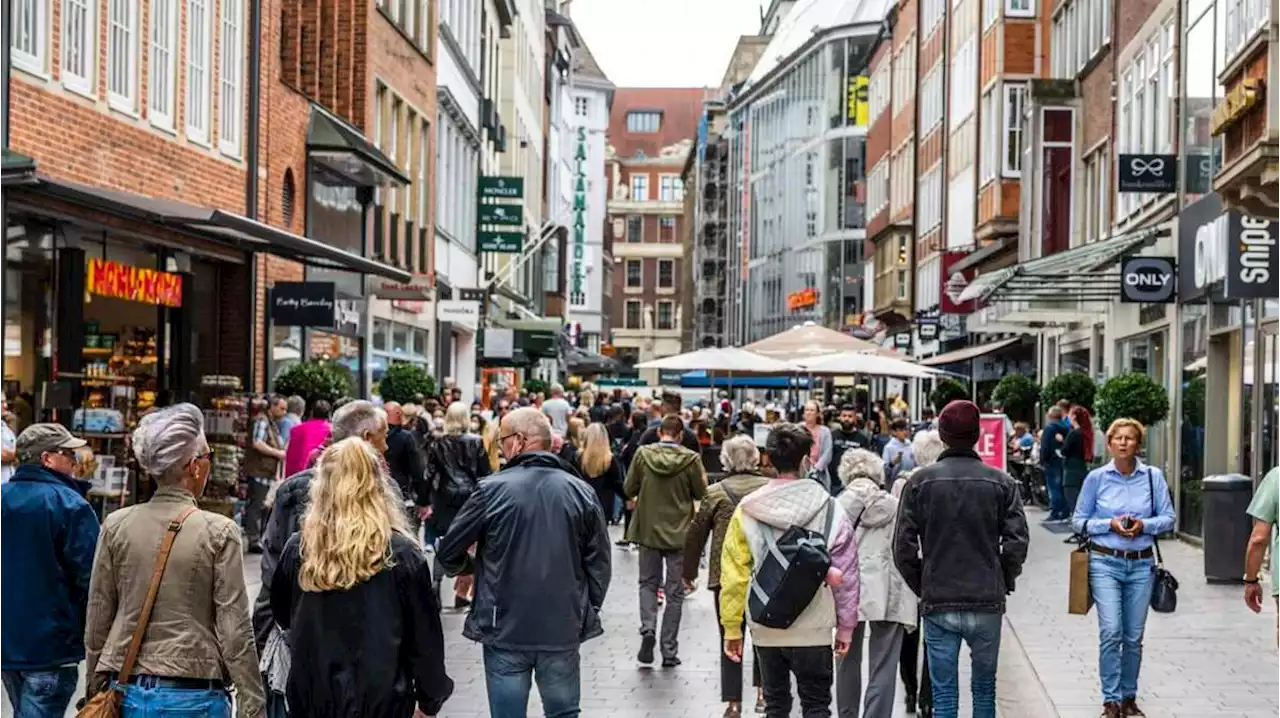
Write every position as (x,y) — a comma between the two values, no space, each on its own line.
(864,363)
(812,340)
(722,360)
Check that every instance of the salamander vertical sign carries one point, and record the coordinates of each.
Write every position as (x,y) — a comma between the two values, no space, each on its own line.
(578,253)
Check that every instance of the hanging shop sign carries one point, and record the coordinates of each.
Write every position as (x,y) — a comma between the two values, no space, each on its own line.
(856,110)
(954,284)
(1241,98)
(927,327)
(1148,280)
(303,304)
(417,290)
(578,253)
(1232,256)
(136,284)
(802,299)
(458,311)
(1252,269)
(504,187)
(507,215)
(992,440)
(902,340)
(348,317)
(500,242)
(1148,173)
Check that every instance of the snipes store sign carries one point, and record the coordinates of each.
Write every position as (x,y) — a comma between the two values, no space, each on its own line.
(1226,255)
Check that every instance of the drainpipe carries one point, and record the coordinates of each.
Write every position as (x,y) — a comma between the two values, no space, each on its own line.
(251,167)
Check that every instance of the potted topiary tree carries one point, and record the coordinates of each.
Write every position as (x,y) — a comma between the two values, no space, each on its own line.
(1075,387)
(535,386)
(314,380)
(1018,394)
(402,381)
(947,391)
(1132,396)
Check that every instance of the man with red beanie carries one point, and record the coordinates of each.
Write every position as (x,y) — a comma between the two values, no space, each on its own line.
(960,523)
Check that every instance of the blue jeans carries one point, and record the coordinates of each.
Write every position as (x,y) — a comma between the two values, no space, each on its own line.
(1122,592)
(509,674)
(142,699)
(41,694)
(1053,487)
(942,635)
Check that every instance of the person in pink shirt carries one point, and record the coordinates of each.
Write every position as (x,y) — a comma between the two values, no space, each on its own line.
(306,438)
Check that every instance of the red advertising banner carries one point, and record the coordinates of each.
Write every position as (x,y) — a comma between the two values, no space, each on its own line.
(123,281)
(953,283)
(992,440)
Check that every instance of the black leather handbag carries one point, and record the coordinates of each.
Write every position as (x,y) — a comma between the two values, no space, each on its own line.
(1164,592)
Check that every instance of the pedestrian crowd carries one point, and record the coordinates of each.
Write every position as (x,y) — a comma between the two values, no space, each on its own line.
(833,539)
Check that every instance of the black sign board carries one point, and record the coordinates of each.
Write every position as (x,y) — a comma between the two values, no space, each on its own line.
(303,304)
(1226,255)
(1252,267)
(1149,173)
(902,340)
(1148,280)
(928,329)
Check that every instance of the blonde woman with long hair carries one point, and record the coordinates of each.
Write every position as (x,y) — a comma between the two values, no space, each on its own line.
(600,467)
(354,591)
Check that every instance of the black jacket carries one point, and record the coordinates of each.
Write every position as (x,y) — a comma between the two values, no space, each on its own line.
(375,649)
(455,464)
(292,497)
(404,458)
(842,441)
(542,563)
(608,485)
(965,519)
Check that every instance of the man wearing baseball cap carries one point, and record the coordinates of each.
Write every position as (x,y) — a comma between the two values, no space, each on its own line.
(47,539)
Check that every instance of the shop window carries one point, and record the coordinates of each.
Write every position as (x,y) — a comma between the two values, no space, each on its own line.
(399,339)
(381,328)
(286,348)
(420,342)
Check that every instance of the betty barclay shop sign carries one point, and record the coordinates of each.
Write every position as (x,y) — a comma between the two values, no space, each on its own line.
(122,281)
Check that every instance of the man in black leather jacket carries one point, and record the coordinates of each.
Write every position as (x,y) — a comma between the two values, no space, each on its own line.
(542,569)
(960,543)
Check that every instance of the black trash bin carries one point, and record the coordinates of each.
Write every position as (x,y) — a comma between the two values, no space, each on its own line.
(1226,526)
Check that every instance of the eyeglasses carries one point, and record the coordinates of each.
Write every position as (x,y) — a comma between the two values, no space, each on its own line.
(206,456)
(509,436)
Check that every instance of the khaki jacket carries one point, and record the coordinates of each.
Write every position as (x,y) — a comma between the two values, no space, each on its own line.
(200,624)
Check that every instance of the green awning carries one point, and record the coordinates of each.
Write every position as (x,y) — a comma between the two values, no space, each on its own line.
(341,150)
(16,169)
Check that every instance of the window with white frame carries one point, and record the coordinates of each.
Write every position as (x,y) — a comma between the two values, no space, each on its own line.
(666,273)
(640,187)
(122,54)
(1097,193)
(904,74)
(632,319)
(666,229)
(635,228)
(878,90)
(1015,103)
(581,106)
(230,100)
(929,200)
(666,314)
(902,178)
(163,62)
(670,188)
(635,274)
(990,13)
(901,285)
(964,77)
(931,100)
(1243,19)
(989,123)
(643,121)
(198,46)
(79,30)
(1147,103)
(931,12)
(28,35)
(878,187)
(1020,8)
(1081,28)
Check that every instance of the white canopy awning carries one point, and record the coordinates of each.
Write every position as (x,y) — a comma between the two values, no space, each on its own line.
(851,363)
(813,340)
(722,359)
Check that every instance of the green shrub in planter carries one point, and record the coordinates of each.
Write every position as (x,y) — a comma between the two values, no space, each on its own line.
(1075,387)
(1018,394)
(1132,396)
(534,386)
(402,381)
(315,380)
(947,391)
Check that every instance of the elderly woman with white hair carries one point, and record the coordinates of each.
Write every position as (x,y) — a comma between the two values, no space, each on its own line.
(886,605)
(913,667)
(741,460)
(198,640)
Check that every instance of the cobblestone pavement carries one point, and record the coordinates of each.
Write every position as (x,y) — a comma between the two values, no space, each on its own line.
(1211,658)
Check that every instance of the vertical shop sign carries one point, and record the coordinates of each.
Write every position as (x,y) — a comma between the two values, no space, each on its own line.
(857,111)
(578,256)
(992,440)
(1251,257)
(497,214)
(745,219)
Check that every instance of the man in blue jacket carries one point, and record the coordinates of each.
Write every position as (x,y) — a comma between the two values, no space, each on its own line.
(48,533)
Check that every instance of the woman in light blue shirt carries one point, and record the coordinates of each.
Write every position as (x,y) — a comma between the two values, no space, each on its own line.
(1122,507)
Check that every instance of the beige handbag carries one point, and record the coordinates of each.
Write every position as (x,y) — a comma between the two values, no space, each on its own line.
(1079,598)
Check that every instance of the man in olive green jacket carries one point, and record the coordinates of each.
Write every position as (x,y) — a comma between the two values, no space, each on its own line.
(666,480)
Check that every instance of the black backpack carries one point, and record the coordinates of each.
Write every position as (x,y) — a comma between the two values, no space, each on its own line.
(794,568)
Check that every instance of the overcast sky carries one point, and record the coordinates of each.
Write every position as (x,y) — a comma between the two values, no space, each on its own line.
(664,43)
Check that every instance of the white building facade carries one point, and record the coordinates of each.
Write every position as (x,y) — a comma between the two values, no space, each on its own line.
(588,268)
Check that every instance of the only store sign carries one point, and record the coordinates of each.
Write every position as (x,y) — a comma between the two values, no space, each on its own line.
(578,265)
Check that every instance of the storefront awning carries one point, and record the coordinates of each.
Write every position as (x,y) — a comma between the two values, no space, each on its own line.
(16,169)
(1064,276)
(341,150)
(967,353)
(226,227)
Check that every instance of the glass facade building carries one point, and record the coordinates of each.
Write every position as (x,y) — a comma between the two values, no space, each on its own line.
(797,217)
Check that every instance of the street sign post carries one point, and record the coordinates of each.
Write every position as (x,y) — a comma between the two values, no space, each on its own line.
(504,187)
(500,242)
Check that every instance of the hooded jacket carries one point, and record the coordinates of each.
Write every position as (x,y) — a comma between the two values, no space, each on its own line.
(713,519)
(883,593)
(777,506)
(665,479)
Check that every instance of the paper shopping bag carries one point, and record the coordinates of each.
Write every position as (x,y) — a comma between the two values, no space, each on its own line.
(1079,598)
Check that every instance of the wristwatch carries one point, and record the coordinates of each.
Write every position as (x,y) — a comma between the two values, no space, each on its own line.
(1246,579)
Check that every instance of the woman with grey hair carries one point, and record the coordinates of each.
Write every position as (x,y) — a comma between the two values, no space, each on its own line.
(927,446)
(741,461)
(886,605)
(199,634)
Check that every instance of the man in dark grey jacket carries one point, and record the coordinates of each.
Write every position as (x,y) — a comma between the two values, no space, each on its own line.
(960,543)
(541,571)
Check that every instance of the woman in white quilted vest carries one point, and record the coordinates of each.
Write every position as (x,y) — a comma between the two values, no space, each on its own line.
(886,605)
